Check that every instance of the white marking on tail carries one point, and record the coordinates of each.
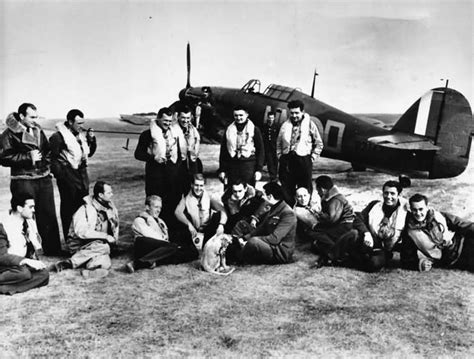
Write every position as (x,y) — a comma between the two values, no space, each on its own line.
(423,114)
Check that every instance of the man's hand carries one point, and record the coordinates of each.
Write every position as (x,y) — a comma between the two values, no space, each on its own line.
(192,230)
(36,156)
(253,223)
(314,157)
(220,229)
(368,240)
(242,242)
(110,239)
(222,177)
(33,263)
(257,176)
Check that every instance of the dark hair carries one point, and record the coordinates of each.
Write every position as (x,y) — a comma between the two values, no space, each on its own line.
(418,197)
(274,189)
(164,111)
(25,106)
(152,198)
(182,108)
(71,115)
(239,108)
(99,188)
(395,184)
(324,182)
(238,181)
(271,113)
(296,104)
(19,199)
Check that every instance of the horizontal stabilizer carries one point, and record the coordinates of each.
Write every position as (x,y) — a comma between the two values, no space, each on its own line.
(404,141)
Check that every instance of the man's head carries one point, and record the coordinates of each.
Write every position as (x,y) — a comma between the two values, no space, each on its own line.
(271,118)
(302,196)
(75,121)
(323,185)
(23,204)
(296,109)
(184,116)
(419,206)
(153,205)
(238,188)
(240,114)
(198,184)
(391,191)
(28,114)
(273,192)
(103,191)
(164,118)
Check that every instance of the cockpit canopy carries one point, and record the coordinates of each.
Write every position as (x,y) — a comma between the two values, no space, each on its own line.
(276,92)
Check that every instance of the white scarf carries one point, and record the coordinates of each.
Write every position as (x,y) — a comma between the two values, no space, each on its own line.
(75,152)
(304,145)
(396,221)
(240,144)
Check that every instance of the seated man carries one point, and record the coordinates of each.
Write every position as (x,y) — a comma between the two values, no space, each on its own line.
(273,241)
(20,269)
(94,226)
(152,240)
(244,205)
(306,211)
(433,238)
(202,215)
(334,236)
(380,225)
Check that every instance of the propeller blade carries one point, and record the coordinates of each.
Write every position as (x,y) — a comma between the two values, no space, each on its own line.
(188,64)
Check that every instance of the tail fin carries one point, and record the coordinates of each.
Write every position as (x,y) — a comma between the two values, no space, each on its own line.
(442,115)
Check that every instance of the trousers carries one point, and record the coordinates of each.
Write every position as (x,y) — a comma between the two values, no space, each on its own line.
(19,279)
(95,254)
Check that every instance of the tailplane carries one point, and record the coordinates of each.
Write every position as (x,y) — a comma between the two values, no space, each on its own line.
(444,117)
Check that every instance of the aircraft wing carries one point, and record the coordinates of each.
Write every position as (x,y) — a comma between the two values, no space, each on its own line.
(404,141)
(384,120)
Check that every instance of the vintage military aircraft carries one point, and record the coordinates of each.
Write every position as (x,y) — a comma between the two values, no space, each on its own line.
(431,139)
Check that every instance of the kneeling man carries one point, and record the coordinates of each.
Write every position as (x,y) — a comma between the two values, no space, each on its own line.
(152,240)
(20,269)
(94,227)
(273,241)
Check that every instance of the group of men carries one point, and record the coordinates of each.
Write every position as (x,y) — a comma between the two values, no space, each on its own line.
(180,216)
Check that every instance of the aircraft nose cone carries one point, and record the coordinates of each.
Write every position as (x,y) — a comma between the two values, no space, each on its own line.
(182,94)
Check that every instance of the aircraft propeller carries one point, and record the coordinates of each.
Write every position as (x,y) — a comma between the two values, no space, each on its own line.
(188,65)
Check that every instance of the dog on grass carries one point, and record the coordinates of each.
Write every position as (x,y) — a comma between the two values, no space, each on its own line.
(213,255)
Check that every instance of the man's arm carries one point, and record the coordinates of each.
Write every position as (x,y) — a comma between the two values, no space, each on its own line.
(317,141)
(459,225)
(279,146)
(83,229)
(141,152)
(7,259)
(141,228)
(259,149)
(9,157)
(333,214)
(224,156)
(286,223)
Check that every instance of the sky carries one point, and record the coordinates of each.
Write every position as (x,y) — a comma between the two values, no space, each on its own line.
(112,57)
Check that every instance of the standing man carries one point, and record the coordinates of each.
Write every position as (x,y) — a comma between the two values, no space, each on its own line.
(192,164)
(94,227)
(25,149)
(273,241)
(433,238)
(163,148)
(70,148)
(242,152)
(270,135)
(20,269)
(298,145)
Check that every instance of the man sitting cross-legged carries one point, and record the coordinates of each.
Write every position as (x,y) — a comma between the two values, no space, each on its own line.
(306,211)
(94,226)
(334,236)
(273,241)
(154,244)
(20,269)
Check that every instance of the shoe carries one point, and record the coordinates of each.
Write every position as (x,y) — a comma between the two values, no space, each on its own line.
(152,266)
(318,263)
(60,266)
(129,267)
(425,265)
(94,273)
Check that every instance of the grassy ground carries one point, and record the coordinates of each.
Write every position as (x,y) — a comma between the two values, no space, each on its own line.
(259,311)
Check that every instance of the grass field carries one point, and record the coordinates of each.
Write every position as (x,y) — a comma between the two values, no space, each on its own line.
(259,311)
